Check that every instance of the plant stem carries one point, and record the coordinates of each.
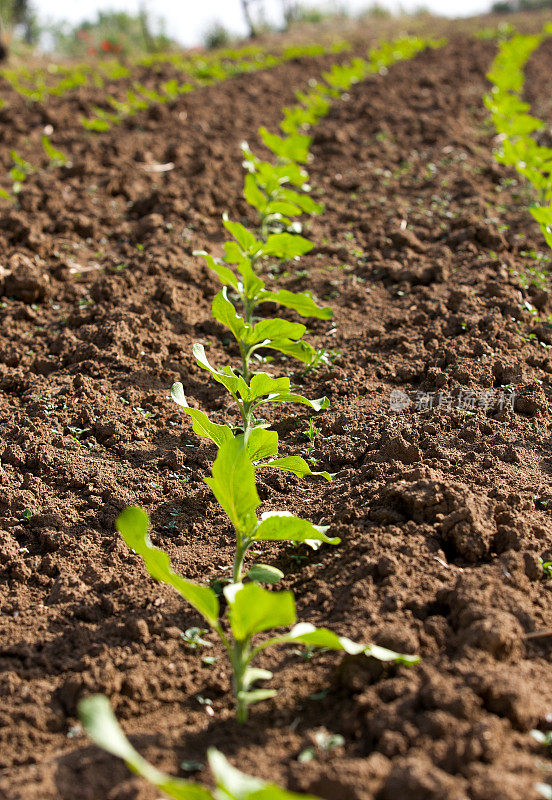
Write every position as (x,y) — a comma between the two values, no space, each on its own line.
(239,665)
(244,350)
(241,549)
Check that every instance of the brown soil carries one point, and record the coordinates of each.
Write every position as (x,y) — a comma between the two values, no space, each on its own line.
(443,513)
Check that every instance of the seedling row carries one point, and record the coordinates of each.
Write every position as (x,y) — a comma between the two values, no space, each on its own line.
(279,193)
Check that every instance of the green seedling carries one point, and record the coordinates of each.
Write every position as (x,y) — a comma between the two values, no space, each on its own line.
(233,484)
(100,723)
(263,388)
(503,32)
(19,172)
(57,158)
(200,70)
(546,567)
(267,188)
(193,638)
(250,609)
(266,185)
(312,432)
(324,742)
(251,390)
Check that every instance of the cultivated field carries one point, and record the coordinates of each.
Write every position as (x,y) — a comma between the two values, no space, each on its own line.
(367,348)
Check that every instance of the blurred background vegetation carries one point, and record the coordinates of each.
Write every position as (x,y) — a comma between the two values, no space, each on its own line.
(114,32)
(121,33)
(20,18)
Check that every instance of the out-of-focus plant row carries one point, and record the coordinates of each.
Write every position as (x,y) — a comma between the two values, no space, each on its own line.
(199,69)
(516,127)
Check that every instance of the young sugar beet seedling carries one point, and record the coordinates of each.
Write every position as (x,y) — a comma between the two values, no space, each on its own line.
(233,483)
(261,443)
(251,390)
(267,189)
(251,610)
(100,723)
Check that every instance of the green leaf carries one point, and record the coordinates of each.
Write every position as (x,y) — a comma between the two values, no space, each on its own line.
(233,253)
(301,350)
(234,785)
(305,633)
(302,303)
(264,573)
(244,238)
(252,284)
(286,246)
(253,674)
(233,484)
(201,424)
(253,195)
(257,695)
(262,384)
(98,125)
(316,405)
(283,207)
(262,444)
(293,148)
(227,377)
(224,312)
(100,723)
(274,329)
(253,609)
(542,214)
(294,464)
(278,526)
(224,274)
(51,152)
(305,203)
(133,525)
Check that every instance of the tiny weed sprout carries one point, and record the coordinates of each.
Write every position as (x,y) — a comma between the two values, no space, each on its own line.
(545,739)
(312,432)
(99,722)
(57,158)
(19,171)
(546,567)
(251,610)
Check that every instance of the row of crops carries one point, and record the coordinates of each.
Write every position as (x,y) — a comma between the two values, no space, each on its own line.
(516,127)
(278,191)
(518,147)
(36,85)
